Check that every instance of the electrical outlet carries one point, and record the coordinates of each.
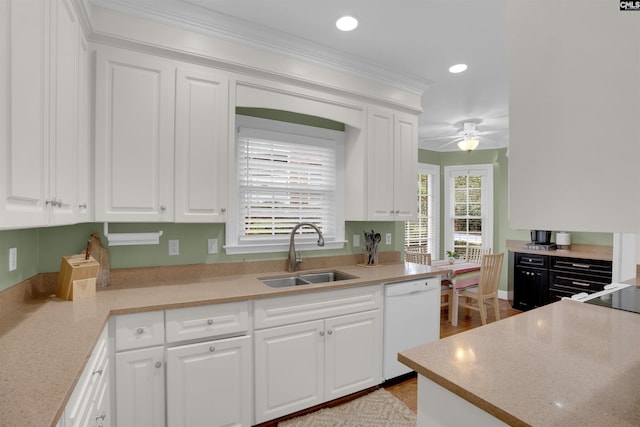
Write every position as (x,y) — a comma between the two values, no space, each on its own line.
(388,238)
(174,247)
(13,259)
(212,246)
(356,240)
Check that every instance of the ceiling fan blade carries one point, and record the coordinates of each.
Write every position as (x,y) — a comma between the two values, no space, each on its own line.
(437,138)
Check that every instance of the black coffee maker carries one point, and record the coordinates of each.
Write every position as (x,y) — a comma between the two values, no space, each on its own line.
(541,237)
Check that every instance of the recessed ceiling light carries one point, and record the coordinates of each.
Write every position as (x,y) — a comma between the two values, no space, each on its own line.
(458,68)
(347,23)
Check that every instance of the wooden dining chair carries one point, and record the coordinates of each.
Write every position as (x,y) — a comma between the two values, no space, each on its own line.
(476,297)
(474,254)
(419,255)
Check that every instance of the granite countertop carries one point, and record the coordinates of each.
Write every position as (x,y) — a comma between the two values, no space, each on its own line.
(45,344)
(564,364)
(599,252)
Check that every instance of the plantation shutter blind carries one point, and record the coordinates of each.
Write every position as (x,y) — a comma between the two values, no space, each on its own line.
(285,179)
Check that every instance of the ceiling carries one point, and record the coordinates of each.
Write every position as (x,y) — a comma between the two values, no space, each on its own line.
(410,42)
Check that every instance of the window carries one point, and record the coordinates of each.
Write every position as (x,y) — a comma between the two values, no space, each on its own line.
(424,230)
(469,207)
(285,174)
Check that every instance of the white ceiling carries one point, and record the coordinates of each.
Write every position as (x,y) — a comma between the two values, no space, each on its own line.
(412,42)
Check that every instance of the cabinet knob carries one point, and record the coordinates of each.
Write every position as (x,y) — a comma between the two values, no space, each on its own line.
(330,331)
(83,206)
(397,211)
(163,208)
(321,333)
(158,364)
(140,331)
(212,348)
(210,322)
(223,210)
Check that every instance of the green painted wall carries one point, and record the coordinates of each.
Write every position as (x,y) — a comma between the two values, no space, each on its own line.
(41,250)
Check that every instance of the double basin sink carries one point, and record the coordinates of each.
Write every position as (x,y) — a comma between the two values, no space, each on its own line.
(307,279)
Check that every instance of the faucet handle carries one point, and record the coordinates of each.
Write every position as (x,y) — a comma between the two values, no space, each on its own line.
(298,257)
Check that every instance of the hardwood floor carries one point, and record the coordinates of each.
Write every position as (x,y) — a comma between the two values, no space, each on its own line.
(407,390)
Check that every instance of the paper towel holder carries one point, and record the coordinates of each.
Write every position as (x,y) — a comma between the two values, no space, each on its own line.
(563,241)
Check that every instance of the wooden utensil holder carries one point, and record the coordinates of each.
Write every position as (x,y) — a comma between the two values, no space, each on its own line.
(77,277)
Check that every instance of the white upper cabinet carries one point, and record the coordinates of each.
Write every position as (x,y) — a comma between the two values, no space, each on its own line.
(202,123)
(39,113)
(64,114)
(392,153)
(134,136)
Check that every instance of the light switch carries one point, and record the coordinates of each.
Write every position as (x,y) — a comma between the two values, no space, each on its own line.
(13,259)
(174,247)
(356,240)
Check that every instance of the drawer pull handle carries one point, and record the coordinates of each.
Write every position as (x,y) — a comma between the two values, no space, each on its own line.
(101,417)
(210,322)
(140,331)
(582,265)
(580,284)
(321,333)
(158,364)
(212,349)
(97,371)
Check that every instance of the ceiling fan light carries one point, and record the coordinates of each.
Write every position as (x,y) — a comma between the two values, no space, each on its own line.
(347,23)
(468,144)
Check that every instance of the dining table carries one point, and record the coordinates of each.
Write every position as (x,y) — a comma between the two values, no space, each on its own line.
(461,275)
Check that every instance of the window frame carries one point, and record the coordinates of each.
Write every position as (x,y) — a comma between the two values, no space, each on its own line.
(433,171)
(487,195)
(271,244)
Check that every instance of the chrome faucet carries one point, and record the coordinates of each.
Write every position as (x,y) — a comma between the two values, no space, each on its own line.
(293,259)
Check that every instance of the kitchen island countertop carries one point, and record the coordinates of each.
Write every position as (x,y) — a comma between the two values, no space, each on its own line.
(45,343)
(564,364)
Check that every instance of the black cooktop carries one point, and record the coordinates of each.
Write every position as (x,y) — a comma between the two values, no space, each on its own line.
(627,299)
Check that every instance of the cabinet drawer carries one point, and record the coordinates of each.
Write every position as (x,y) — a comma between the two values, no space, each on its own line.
(532,260)
(576,283)
(81,405)
(317,305)
(207,321)
(579,265)
(139,330)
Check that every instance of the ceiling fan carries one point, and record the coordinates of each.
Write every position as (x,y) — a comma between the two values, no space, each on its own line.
(468,138)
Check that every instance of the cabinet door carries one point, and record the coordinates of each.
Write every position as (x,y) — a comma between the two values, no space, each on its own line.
(353,353)
(134,136)
(85,137)
(209,384)
(201,145)
(63,150)
(24,140)
(380,164)
(140,387)
(529,288)
(289,369)
(405,168)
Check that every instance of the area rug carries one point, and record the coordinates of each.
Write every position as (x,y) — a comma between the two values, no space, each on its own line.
(377,409)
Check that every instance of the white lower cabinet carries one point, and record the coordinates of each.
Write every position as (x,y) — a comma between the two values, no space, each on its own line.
(89,405)
(302,364)
(140,384)
(184,367)
(208,383)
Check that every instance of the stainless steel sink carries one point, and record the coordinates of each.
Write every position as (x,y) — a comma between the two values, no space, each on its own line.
(307,279)
(325,276)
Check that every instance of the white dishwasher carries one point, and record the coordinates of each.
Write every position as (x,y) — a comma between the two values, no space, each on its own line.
(411,318)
